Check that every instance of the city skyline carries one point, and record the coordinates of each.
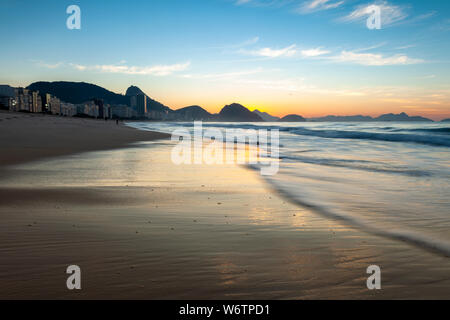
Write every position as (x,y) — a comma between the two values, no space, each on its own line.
(312,58)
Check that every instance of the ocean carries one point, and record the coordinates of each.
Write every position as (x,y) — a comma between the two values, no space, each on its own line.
(386,178)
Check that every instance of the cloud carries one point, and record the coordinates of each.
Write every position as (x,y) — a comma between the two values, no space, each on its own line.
(273,53)
(78,66)
(240,2)
(157,70)
(424,16)
(225,75)
(405,47)
(319,5)
(375,46)
(371,59)
(263,3)
(390,14)
(314,52)
(246,43)
(43,64)
(122,68)
(249,42)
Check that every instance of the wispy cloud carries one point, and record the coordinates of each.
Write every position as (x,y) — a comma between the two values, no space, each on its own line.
(43,64)
(263,3)
(121,68)
(157,70)
(423,17)
(405,47)
(240,2)
(371,59)
(224,75)
(319,5)
(314,52)
(390,14)
(246,43)
(375,46)
(271,52)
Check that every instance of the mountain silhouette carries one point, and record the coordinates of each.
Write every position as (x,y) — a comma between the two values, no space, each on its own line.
(152,105)
(265,116)
(400,117)
(133,91)
(238,113)
(332,118)
(193,113)
(292,118)
(78,92)
(403,117)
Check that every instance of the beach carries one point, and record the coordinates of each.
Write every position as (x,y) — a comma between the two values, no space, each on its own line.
(107,198)
(29,137)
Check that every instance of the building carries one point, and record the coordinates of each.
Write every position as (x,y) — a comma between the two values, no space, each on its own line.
(141,104)
(46,102)
(7,103)
(133,102)
(68,109)
(107,112)
(26,100)
(123,112)
(51,104)
(55,105)
(89,109)
(7,97)
(35,102)
(100,107)
(22,100)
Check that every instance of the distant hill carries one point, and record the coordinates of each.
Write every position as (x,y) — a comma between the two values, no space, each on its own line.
(445,120)
(193,113)
(400,117)
(78,92)
(292,118)
(238,113)
(265,116)
(151,104)
(356,118)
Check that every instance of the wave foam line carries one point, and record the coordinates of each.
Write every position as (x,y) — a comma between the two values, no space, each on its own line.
(438,246)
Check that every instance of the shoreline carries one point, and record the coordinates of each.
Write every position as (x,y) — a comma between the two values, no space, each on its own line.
(141,227)
(30,137)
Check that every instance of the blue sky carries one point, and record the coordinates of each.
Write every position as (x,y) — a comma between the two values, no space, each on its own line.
(309,57)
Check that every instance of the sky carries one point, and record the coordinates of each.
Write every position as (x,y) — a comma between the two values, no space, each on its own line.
(306,57)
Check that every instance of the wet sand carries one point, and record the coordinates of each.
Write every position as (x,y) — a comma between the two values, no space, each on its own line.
(142,228)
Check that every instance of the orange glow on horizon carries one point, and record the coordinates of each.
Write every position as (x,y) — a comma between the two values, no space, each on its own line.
(313,109)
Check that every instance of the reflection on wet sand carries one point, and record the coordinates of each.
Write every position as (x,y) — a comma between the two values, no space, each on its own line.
(141,227)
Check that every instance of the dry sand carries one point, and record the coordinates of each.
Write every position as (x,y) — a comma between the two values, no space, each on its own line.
(27,137)
(140,227)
